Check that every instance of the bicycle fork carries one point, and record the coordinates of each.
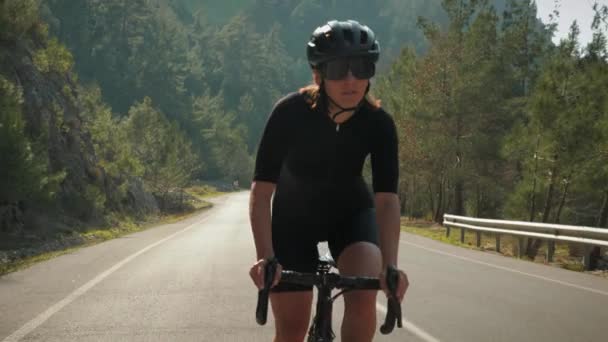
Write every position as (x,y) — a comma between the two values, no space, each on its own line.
(321,330)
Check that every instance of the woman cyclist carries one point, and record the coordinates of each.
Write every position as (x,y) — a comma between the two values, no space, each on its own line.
(311,157)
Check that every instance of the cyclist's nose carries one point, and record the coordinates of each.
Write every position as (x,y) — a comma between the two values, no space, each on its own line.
(349,76)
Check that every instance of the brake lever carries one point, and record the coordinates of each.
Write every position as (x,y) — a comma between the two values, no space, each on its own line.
(393,313)
(261,310)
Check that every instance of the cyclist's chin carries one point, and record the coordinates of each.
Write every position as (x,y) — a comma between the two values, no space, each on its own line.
(349,100)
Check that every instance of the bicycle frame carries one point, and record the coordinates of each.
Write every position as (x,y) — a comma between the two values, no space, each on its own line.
(321,327)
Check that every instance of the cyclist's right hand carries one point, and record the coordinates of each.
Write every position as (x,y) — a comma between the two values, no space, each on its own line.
(256,272)
(402,283)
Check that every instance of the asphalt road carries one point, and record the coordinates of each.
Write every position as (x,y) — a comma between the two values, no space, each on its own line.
(188,281)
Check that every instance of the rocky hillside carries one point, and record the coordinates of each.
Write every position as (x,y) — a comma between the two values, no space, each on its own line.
(38,69)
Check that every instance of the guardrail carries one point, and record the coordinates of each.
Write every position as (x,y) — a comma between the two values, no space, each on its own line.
(546,231)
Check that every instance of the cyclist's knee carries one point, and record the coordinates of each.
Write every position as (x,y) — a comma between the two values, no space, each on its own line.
(292,315)
(360,259)
(290,329)
(290,336)
(362,299)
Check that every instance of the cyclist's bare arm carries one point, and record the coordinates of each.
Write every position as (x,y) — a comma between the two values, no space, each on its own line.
(387,216)
(260,218)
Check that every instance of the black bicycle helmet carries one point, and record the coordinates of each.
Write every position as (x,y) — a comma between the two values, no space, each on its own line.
(341,39)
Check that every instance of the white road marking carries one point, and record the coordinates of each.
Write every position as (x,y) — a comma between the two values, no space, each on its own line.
(43,317)
(509,269)
(411,327)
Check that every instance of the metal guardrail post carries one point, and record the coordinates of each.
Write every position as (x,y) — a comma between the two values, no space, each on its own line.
(478,242)
(587,257)
(550,250)
(521,247)
(589,260)
(498,243)
(462,231)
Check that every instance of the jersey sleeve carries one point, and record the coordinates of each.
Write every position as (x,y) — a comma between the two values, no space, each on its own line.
(273,145)
(385,155)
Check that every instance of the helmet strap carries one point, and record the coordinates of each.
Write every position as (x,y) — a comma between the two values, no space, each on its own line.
(342,109)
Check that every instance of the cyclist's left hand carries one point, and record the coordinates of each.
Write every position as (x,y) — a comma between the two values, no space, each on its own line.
(401,288)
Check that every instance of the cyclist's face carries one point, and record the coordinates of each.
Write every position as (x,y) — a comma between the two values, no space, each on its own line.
(346,92)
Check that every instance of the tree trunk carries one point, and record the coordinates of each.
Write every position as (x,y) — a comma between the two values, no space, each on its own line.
(438,217)
(534,244)
(403,198)
(603,217)
(533,194)
(549,199)
(601,222)
(459,186)
(124,22)
(562,200)
(479,198)
(446,190)
(414,195)
(526,50)
(458,197)
(431,197)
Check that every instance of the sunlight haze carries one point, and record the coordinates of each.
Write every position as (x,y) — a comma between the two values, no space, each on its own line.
(570,10)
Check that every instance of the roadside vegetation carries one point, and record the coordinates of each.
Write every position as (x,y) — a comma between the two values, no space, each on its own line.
(25,253)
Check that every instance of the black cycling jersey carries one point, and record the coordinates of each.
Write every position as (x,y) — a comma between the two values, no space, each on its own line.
(309,155)
(317,166)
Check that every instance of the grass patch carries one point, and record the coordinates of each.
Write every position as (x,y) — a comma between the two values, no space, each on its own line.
(126,225)
(203,191)
(70,241)
(578,267)
(21,264)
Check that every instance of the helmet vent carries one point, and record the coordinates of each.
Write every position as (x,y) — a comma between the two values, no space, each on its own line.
(341,39)
(363,39)
(348,36)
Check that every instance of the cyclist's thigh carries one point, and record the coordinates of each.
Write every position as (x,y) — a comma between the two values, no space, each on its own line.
(354,244)
(291,311)
(295,247)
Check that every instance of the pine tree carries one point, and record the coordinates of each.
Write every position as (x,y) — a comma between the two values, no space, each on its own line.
(24,173)
(162,149)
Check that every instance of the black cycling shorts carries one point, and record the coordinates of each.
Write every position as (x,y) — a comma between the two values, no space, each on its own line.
(295,242)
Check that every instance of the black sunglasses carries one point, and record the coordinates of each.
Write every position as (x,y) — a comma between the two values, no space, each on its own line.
(337,69)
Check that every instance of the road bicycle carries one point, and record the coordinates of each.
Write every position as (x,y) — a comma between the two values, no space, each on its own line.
(325,282)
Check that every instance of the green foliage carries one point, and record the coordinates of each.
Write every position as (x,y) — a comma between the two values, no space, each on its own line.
(163,150)
(85,201)
(95,197)
(53,58)
(564,155)
(454,107)
(216,12)
(523,43)
(110,141)
(17,18)
(491,118)
(130,48)
(24,174)
(221,141)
